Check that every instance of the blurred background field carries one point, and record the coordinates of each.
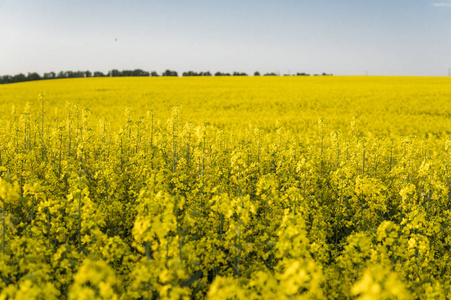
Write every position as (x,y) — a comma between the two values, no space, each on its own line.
(387,106)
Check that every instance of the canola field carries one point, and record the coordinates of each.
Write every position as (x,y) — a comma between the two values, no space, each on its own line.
(226,188)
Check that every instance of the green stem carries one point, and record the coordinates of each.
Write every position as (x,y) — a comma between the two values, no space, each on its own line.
(48,226)
(363,169)
(70,140)
(3,229)
(79,220)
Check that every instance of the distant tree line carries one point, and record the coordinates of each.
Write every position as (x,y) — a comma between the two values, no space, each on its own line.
(124,73)
(192,73)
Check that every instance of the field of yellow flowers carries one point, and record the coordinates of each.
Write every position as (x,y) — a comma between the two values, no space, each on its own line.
(226,188)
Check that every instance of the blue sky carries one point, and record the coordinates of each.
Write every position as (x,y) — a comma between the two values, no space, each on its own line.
(343,37)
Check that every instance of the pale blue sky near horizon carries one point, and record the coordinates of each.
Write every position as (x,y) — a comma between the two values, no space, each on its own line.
(346,37)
